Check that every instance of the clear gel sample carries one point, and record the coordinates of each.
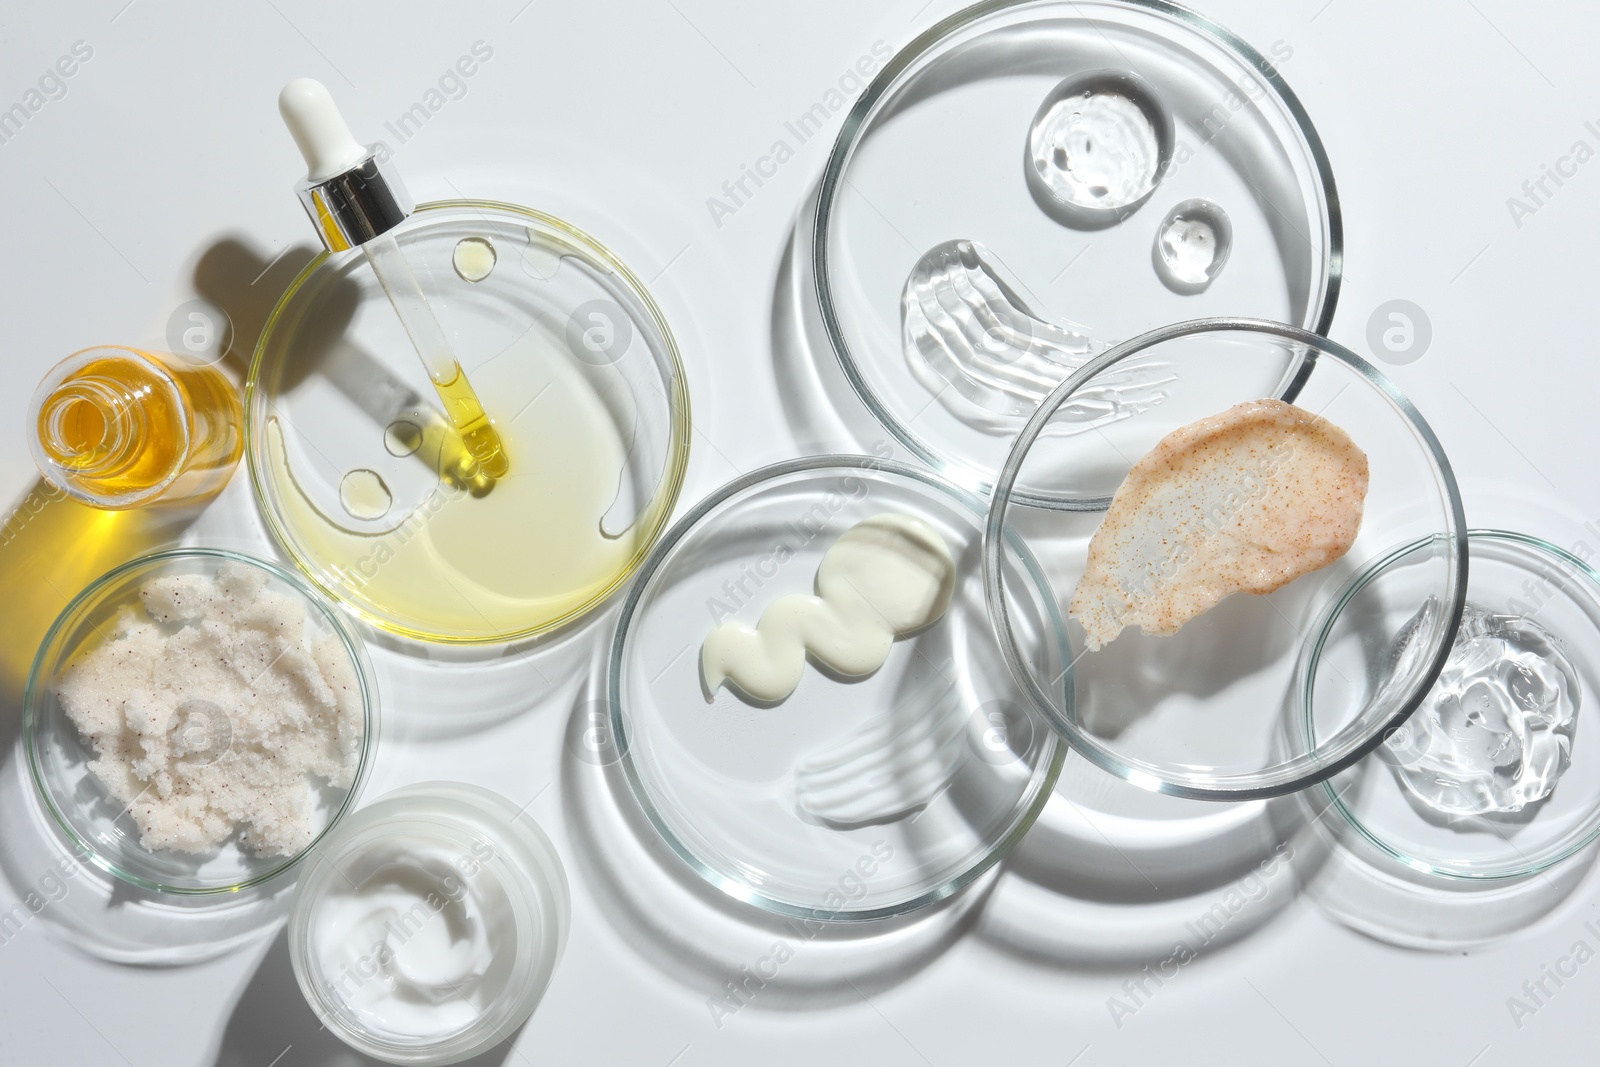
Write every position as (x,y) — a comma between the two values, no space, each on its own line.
(974,342)
(1192,245)
(1098,147)
(1495,733)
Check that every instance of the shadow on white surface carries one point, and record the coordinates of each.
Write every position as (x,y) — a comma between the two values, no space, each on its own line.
(1376,895)
(1112,876)
(822,410)
(272,1019)
(106,918)
(711,943)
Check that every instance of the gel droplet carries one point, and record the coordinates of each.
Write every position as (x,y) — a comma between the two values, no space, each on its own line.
(1496,731)
(402,437)
(473,258)
(364,494)
(1098,147)
(972,341)
(1192,245)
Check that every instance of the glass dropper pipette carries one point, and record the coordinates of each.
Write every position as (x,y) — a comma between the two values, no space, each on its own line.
(354,199)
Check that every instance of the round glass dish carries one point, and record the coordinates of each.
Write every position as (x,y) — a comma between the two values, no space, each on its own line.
(852,799)
(448,888)
(59,757)
(937,150)
(1488,778)
(1201,713)
(368,489)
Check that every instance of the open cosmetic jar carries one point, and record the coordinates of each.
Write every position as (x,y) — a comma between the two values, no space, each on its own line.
(426,929)
(208,741)
(369,490)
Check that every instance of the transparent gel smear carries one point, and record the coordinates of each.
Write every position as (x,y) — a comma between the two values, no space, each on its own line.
(1495,733)
(971,340)
(1192,245)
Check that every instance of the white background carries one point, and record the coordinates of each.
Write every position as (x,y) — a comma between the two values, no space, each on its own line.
(624,116)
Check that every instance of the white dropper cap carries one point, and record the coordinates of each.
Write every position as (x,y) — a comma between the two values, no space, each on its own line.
(318,128)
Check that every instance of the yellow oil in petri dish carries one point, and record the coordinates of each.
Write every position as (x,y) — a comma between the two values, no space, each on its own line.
(520,557)
(371,490)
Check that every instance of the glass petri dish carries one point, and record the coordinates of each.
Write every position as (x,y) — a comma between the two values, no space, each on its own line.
(367,488)
(1497,774)
(933,179)
(1201,713)
(59,757)
(852,799)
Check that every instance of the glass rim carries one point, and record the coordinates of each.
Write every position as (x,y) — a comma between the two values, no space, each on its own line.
(56,377)
(1575,843)
(1297,772)
(353,646)
(847,141)
(457,813)
(667,492)
(1024,816)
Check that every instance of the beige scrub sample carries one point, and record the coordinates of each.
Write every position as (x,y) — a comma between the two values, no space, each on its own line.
(1243,501)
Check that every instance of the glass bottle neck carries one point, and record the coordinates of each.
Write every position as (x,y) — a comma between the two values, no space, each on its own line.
(92,426)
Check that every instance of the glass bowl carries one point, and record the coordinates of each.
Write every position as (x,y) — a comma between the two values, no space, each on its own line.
(366,486)
(1457,790)
(938,150)
(466,858)
(780,805)
(58,756)
(1201,713)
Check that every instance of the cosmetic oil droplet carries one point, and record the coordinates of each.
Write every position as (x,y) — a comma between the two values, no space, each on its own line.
(1192,245)
(473,258)
(402,437)
(1098,147)
(364,494)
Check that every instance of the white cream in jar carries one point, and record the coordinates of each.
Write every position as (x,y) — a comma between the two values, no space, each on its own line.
(427,925)
(408,944)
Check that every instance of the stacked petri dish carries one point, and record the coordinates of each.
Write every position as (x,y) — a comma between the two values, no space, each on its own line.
(1052,239)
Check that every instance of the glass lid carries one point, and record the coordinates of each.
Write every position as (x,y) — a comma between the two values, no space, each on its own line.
(1231,522)
(810,703)
(1028,183)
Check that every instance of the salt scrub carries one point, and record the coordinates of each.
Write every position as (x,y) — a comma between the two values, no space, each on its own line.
(1244,501)
(217,710)
(884,577)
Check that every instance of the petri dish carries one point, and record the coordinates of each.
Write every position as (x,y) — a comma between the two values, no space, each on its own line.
(1200,713)
(936,762)
(1497,774)
(956,289)
(59,757)
(364,483)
